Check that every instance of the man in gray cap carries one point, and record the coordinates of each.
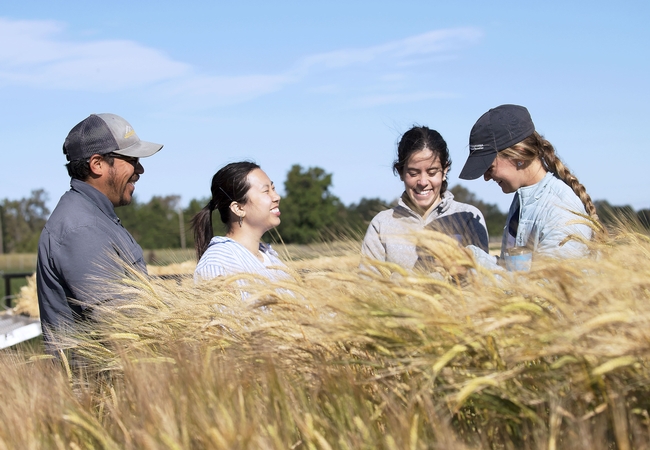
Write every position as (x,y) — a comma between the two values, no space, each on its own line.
(84,244)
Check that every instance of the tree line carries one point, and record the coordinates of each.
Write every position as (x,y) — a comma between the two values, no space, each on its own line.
(310,213)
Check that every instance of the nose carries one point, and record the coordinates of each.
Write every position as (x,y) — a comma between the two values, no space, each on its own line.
(139,168)
(486,176)
(422,180)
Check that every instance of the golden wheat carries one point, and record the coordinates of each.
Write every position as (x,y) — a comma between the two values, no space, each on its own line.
(358,354)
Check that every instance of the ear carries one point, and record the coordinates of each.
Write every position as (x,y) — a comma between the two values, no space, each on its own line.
(519,164)
(97,165)
(444,174)
(237,210)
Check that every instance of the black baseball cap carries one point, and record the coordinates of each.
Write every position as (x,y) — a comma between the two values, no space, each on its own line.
(496,130)
(105,133)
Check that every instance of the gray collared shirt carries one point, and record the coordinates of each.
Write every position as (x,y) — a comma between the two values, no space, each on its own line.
(81,249)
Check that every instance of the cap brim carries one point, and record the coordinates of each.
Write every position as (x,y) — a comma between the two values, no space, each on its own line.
(476,165)
(140,149)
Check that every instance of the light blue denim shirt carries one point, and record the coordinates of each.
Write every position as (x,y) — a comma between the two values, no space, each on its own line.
(549,212)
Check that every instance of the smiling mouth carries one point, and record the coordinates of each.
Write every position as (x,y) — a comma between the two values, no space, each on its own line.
(275,211)
(424,193)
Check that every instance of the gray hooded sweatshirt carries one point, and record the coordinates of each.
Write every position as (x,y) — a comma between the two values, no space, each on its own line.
(387,238)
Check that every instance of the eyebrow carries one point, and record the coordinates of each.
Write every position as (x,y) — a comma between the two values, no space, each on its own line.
(428,168)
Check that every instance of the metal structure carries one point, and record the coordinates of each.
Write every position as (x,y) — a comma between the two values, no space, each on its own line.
(17,328)
(7,277)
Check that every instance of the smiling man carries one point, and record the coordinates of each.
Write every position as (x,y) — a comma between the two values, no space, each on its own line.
(84,244)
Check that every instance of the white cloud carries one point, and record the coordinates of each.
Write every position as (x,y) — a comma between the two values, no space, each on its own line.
(209,91)
(437,41)
(36,54)
(33,54)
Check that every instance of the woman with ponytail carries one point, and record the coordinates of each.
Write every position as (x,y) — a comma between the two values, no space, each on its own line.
(549,200)
(249,206)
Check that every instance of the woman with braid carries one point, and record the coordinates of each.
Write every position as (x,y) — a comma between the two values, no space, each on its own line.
(248,205)
(549,200)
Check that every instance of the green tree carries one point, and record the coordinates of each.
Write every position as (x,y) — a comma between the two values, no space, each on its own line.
(22,222)
(218,228)
(494,218)
(309,210)
(611,215)
(154,224)
(644,218)
(358,215)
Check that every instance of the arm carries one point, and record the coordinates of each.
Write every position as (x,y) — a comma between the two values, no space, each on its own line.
(484,259)
(372,246)
(560,224)
(477,233)
(208,270)
(87,259)
(467,225)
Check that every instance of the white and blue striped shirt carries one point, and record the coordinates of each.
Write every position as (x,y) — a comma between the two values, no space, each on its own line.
(224,256)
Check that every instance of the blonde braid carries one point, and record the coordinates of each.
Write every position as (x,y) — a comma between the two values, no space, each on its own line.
(556,166)
(536,147)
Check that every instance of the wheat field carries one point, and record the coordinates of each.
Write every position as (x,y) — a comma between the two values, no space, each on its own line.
(351,354)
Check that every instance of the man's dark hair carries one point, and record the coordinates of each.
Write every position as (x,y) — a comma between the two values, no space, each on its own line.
(79,169)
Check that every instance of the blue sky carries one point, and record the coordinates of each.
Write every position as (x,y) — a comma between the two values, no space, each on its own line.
(331,84)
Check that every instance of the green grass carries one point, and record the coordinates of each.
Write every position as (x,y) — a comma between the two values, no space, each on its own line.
(16,284)
(30,347)
(17,262)
(164,257)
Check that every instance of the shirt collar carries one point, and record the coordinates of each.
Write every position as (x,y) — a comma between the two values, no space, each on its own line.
(445,198)
(96,197)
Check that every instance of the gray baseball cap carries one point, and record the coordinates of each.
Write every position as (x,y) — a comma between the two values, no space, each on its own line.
(105,133)
(496,130)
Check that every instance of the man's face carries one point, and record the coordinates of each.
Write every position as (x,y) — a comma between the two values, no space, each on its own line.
(122,177)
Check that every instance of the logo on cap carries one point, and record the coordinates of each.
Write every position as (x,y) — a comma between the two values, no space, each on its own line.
(129,132)
(476,147)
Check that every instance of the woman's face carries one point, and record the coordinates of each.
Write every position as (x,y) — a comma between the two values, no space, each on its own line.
(262,206)
(422,176)
(504,172)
